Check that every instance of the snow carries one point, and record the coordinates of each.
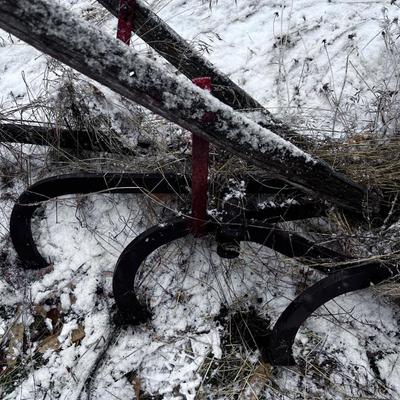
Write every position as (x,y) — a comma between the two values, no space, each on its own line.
(286,51)
(186,284)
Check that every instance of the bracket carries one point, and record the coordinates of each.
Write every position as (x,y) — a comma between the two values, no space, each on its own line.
(129,262)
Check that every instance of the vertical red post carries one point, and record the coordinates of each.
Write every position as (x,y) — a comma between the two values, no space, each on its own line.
(200,151)
(125,20)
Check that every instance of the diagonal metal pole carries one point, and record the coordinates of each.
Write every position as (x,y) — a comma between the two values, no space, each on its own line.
(60,33)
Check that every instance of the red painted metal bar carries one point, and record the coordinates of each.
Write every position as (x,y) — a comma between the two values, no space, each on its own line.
(200,146)
(200,151)
(125,20)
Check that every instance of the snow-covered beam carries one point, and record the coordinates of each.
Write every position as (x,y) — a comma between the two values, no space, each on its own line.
(170,45)
(58,32)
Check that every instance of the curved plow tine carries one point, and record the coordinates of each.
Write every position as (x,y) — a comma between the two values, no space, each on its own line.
(83,183)
(130,309)
(277,348)
(128,264)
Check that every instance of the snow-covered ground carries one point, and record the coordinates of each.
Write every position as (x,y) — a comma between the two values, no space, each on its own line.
(325,67)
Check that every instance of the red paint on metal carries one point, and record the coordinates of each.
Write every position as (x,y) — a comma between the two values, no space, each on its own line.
(204,82)
(200,151)
(125,20)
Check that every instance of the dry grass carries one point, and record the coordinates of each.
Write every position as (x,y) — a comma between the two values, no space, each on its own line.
(365,158)
(239,374)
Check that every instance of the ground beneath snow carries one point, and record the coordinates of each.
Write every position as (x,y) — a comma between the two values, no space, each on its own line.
(327,67)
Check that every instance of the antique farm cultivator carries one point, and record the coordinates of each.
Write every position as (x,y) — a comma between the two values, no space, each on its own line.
(309,186)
